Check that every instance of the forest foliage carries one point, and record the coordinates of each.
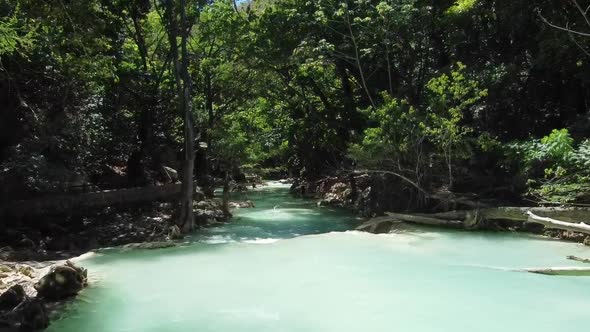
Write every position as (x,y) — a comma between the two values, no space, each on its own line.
(463,94)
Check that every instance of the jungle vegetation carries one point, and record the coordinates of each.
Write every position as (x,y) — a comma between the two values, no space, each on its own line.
(464,95)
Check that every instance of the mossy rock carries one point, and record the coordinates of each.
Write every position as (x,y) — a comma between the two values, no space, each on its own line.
(62,282)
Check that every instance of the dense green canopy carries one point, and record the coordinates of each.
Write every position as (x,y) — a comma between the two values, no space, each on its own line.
(448,93)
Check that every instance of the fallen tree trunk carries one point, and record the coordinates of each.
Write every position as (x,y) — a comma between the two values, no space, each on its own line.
(385,223)
(573,215)
(56,205)
(560,271)
(488,218)
(558,224)
(431,220)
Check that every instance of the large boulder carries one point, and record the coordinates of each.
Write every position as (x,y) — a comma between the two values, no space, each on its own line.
(62,282)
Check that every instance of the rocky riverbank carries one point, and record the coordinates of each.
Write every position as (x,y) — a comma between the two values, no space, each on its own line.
(373,194)
(69,236)
(32,280)
(367,194)
(29,292)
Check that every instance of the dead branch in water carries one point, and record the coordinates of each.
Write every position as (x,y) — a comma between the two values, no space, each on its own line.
(560,271)
(578,259)
(558,224)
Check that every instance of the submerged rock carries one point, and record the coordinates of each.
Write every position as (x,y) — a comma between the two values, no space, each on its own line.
(62,282)
(149,245)
(241,205)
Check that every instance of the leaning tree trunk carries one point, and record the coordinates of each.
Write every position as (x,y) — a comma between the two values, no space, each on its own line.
(186,216)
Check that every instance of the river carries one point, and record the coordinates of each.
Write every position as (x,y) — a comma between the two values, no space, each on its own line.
(289,266)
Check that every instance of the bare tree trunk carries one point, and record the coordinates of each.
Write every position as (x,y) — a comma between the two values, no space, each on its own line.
(450,169)
(188,222)
(389,71)
(225,199)
(137,162)
(186,219)
(350,114)
(358,60)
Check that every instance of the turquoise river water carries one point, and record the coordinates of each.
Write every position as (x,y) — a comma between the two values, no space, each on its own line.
(289,266)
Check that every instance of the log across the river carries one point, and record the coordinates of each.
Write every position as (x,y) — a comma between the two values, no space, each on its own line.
(80,202)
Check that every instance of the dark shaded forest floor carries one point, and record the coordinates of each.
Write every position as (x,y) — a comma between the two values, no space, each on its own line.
(70,236)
